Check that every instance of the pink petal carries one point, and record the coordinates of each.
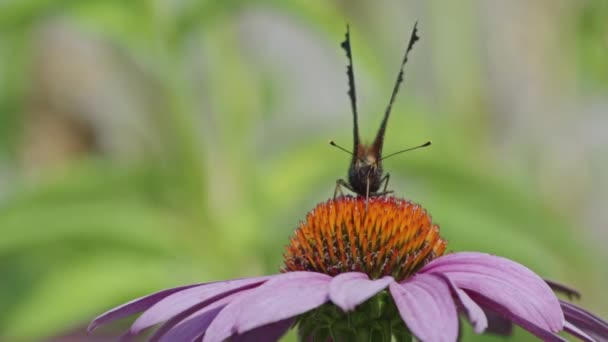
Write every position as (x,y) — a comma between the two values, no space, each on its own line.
(573,330)
(283,297)
(194,327)
(475,313)
(426,306)
(498,324)
(511,285)
(270,332)
(347,290)
(200,296)
(585,320)
(197,323)
(536,330)
(134,306)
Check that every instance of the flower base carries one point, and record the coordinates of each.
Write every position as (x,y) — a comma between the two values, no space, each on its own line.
(377,319)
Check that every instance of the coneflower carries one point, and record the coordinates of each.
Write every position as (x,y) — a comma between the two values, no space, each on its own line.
(374,274)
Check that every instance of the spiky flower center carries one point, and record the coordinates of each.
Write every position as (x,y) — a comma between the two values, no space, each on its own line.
(391,237)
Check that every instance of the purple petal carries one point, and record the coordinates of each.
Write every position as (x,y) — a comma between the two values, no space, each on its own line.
(125,337)
(347,290)
(568,291)
(196,324)
(498,324)
(134,306)
(475,313)
(511,285)
(536,330)
(585,320)
(574,331)
(282,297)
(192,328)
(426,306)
(270,332)
(200,296)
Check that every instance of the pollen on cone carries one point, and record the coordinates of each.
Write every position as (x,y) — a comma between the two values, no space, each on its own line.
(391,237)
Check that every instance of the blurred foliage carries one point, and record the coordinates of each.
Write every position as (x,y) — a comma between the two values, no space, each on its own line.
(591,29)
(225,179)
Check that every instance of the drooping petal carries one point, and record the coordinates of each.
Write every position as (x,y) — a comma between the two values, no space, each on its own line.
(283,297)
(574,331)
(498,324)
(511,285)
(347,290)
(586,321)
(267,333)
(426,306)
(188,331)
(474,312)
(134,306)
(536,330)
(198,296)
(195,324)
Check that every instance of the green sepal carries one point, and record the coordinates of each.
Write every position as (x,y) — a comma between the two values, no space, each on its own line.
(376,320)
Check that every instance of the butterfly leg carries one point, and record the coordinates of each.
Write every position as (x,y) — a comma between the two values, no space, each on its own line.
(339,184)
(384,179)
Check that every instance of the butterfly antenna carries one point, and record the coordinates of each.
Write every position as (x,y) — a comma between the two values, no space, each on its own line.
(351,86)
(380,136)
(332,143)
(428,143)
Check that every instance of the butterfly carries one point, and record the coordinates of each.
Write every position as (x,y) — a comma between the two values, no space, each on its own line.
(365,174)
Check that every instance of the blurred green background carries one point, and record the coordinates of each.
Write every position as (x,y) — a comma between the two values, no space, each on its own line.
(148,144)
